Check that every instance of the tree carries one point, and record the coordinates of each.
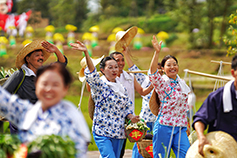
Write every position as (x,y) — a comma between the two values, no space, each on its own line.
(231,41)
(60,12)
(188,13)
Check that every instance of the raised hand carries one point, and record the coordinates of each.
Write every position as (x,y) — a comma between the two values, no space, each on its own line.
(125,50)
(156,45)
(79,46)
(49,47)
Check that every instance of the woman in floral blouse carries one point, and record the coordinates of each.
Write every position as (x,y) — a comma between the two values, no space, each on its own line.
(171,124)
(112,105)
(50,115)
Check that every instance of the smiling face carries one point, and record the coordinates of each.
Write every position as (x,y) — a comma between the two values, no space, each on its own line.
(120,60)
(50,88)
(35,60)
(110,70)
(171,68)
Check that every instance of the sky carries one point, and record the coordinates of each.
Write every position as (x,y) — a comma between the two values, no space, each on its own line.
(93,5)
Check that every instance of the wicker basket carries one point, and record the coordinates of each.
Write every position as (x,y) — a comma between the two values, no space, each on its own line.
(145,148)
(135,135)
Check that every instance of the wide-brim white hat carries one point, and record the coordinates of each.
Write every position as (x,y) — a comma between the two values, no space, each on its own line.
(124,38)
(83,64)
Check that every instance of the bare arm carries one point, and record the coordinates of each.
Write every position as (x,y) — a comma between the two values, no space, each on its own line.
(53,49)
(127,57)
(81,47)
(154,61)
(200,127)
(140,90)
(88,87)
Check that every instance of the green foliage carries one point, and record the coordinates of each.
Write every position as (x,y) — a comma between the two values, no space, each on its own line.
(59,12)
(2,154)
(231,39)
(9,143)
(158,23)
(153,24)
(53,146)
(4,129)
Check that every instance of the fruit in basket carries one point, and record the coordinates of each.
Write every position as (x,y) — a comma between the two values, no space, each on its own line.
(148,136)
(135,132)
(140,125)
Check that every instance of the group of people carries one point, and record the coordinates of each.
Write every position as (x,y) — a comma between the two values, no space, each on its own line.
(39,108)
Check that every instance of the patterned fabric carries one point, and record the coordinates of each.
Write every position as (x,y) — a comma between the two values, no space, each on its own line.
(174,102)
(62,119)
(143,80)
(110,107)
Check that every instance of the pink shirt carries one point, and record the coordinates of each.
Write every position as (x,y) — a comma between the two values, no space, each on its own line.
(173,101)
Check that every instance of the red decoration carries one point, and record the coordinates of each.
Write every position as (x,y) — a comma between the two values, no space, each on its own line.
(136,134)
(149,149)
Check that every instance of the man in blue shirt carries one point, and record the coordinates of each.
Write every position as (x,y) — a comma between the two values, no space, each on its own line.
(219,110)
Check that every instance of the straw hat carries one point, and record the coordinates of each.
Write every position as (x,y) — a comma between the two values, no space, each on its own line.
(35,45)
(95,61)
(223,145)
(124,38)
(91,107)
(154,103)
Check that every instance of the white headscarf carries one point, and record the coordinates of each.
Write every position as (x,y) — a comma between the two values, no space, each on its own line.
(117,87)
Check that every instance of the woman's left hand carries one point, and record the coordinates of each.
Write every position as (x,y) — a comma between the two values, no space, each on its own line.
(79,46)
(156,44)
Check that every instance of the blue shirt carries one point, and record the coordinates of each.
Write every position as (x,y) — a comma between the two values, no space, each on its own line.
(111,108)
(211,113)
(61,119)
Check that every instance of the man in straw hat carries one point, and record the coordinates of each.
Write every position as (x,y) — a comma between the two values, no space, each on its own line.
(28,60)
(218,111)
(123,39)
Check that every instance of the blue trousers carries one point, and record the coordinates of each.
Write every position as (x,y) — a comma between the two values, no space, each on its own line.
(108,147)
(162,135)
(135,152)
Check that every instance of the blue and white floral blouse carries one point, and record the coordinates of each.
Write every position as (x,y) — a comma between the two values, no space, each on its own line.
(62,119)
(111,107)
(144,81)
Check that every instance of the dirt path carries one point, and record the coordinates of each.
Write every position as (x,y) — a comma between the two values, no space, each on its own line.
(96,154)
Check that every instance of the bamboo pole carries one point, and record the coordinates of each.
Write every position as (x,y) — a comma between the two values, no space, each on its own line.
(224,63)
(139,71)
(142,71)
(208,75)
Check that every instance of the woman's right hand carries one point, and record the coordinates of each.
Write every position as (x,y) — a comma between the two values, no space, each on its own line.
(135,119)
(79,46)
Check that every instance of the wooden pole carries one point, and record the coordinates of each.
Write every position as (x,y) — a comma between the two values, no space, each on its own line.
(224,63)
(139,71)
(208,75)
(142,71)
